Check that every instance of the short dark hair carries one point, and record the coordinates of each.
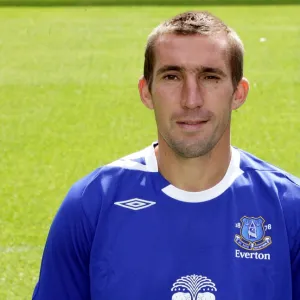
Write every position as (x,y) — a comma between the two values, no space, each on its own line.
(196,22)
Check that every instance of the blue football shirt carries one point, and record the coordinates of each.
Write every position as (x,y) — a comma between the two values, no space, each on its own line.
(124,232)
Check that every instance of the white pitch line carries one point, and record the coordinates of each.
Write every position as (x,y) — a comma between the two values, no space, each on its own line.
(19,249)
(271,28)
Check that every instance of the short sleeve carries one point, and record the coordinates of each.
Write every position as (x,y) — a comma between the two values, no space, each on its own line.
(291,208)
(296,268)
(64,272)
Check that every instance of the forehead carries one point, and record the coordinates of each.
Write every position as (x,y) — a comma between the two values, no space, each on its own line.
(191,51)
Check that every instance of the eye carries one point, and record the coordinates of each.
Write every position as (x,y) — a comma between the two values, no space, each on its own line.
(211,77)
(170,77)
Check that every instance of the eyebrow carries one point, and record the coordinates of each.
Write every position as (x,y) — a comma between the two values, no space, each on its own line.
(202,69)
(167,68)
(212,70)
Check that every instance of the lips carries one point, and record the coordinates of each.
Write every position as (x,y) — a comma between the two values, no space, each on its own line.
(188,122)
(191,125)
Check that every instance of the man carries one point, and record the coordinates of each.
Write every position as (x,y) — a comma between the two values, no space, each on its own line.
(189,217)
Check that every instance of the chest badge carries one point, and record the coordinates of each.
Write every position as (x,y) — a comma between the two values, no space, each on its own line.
(252,234)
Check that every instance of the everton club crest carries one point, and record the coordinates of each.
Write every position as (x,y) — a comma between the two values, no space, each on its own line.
(252,234)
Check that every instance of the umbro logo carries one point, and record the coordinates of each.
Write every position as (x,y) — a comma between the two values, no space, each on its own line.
(135,204)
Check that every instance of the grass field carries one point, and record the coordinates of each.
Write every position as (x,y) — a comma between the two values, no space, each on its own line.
(69,103)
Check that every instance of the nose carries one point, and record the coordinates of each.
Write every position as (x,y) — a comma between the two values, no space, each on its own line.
(191,93)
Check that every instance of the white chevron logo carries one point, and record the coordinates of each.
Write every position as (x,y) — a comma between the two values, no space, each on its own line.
(135,203)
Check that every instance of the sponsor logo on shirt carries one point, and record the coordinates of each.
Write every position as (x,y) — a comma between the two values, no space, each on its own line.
(135,204)
(253,238)
(194,287)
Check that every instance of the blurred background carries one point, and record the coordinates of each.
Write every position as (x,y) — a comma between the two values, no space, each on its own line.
(69,102)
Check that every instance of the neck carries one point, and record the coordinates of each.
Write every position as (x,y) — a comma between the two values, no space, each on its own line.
(193,174)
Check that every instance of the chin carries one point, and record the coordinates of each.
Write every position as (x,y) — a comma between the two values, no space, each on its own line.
(192,150)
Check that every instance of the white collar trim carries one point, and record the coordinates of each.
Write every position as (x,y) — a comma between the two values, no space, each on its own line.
(233,172)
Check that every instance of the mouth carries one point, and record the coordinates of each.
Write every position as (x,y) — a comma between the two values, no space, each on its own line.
(191,125)
(192,122)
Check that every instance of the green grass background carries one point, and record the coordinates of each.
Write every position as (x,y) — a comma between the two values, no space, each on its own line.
(144,2)
(69,103)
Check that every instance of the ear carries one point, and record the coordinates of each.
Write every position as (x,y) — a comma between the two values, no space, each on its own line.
(240,94)
(145,94)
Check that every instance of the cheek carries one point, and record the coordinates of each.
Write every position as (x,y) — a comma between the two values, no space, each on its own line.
(168,90)
(160,109)
(162,114)
(223,94)
(219,102)
(165,101)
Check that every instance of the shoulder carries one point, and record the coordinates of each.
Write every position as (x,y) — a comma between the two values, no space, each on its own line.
(269,173)
(283,188)
(97,187)
(276,182)
(115,170)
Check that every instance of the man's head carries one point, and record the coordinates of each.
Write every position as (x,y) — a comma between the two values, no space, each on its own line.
(193,79)
(192,23)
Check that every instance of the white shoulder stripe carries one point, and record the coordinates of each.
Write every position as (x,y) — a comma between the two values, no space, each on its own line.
(129,165)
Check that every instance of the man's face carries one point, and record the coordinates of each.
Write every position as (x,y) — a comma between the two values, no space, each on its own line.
(192,92)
